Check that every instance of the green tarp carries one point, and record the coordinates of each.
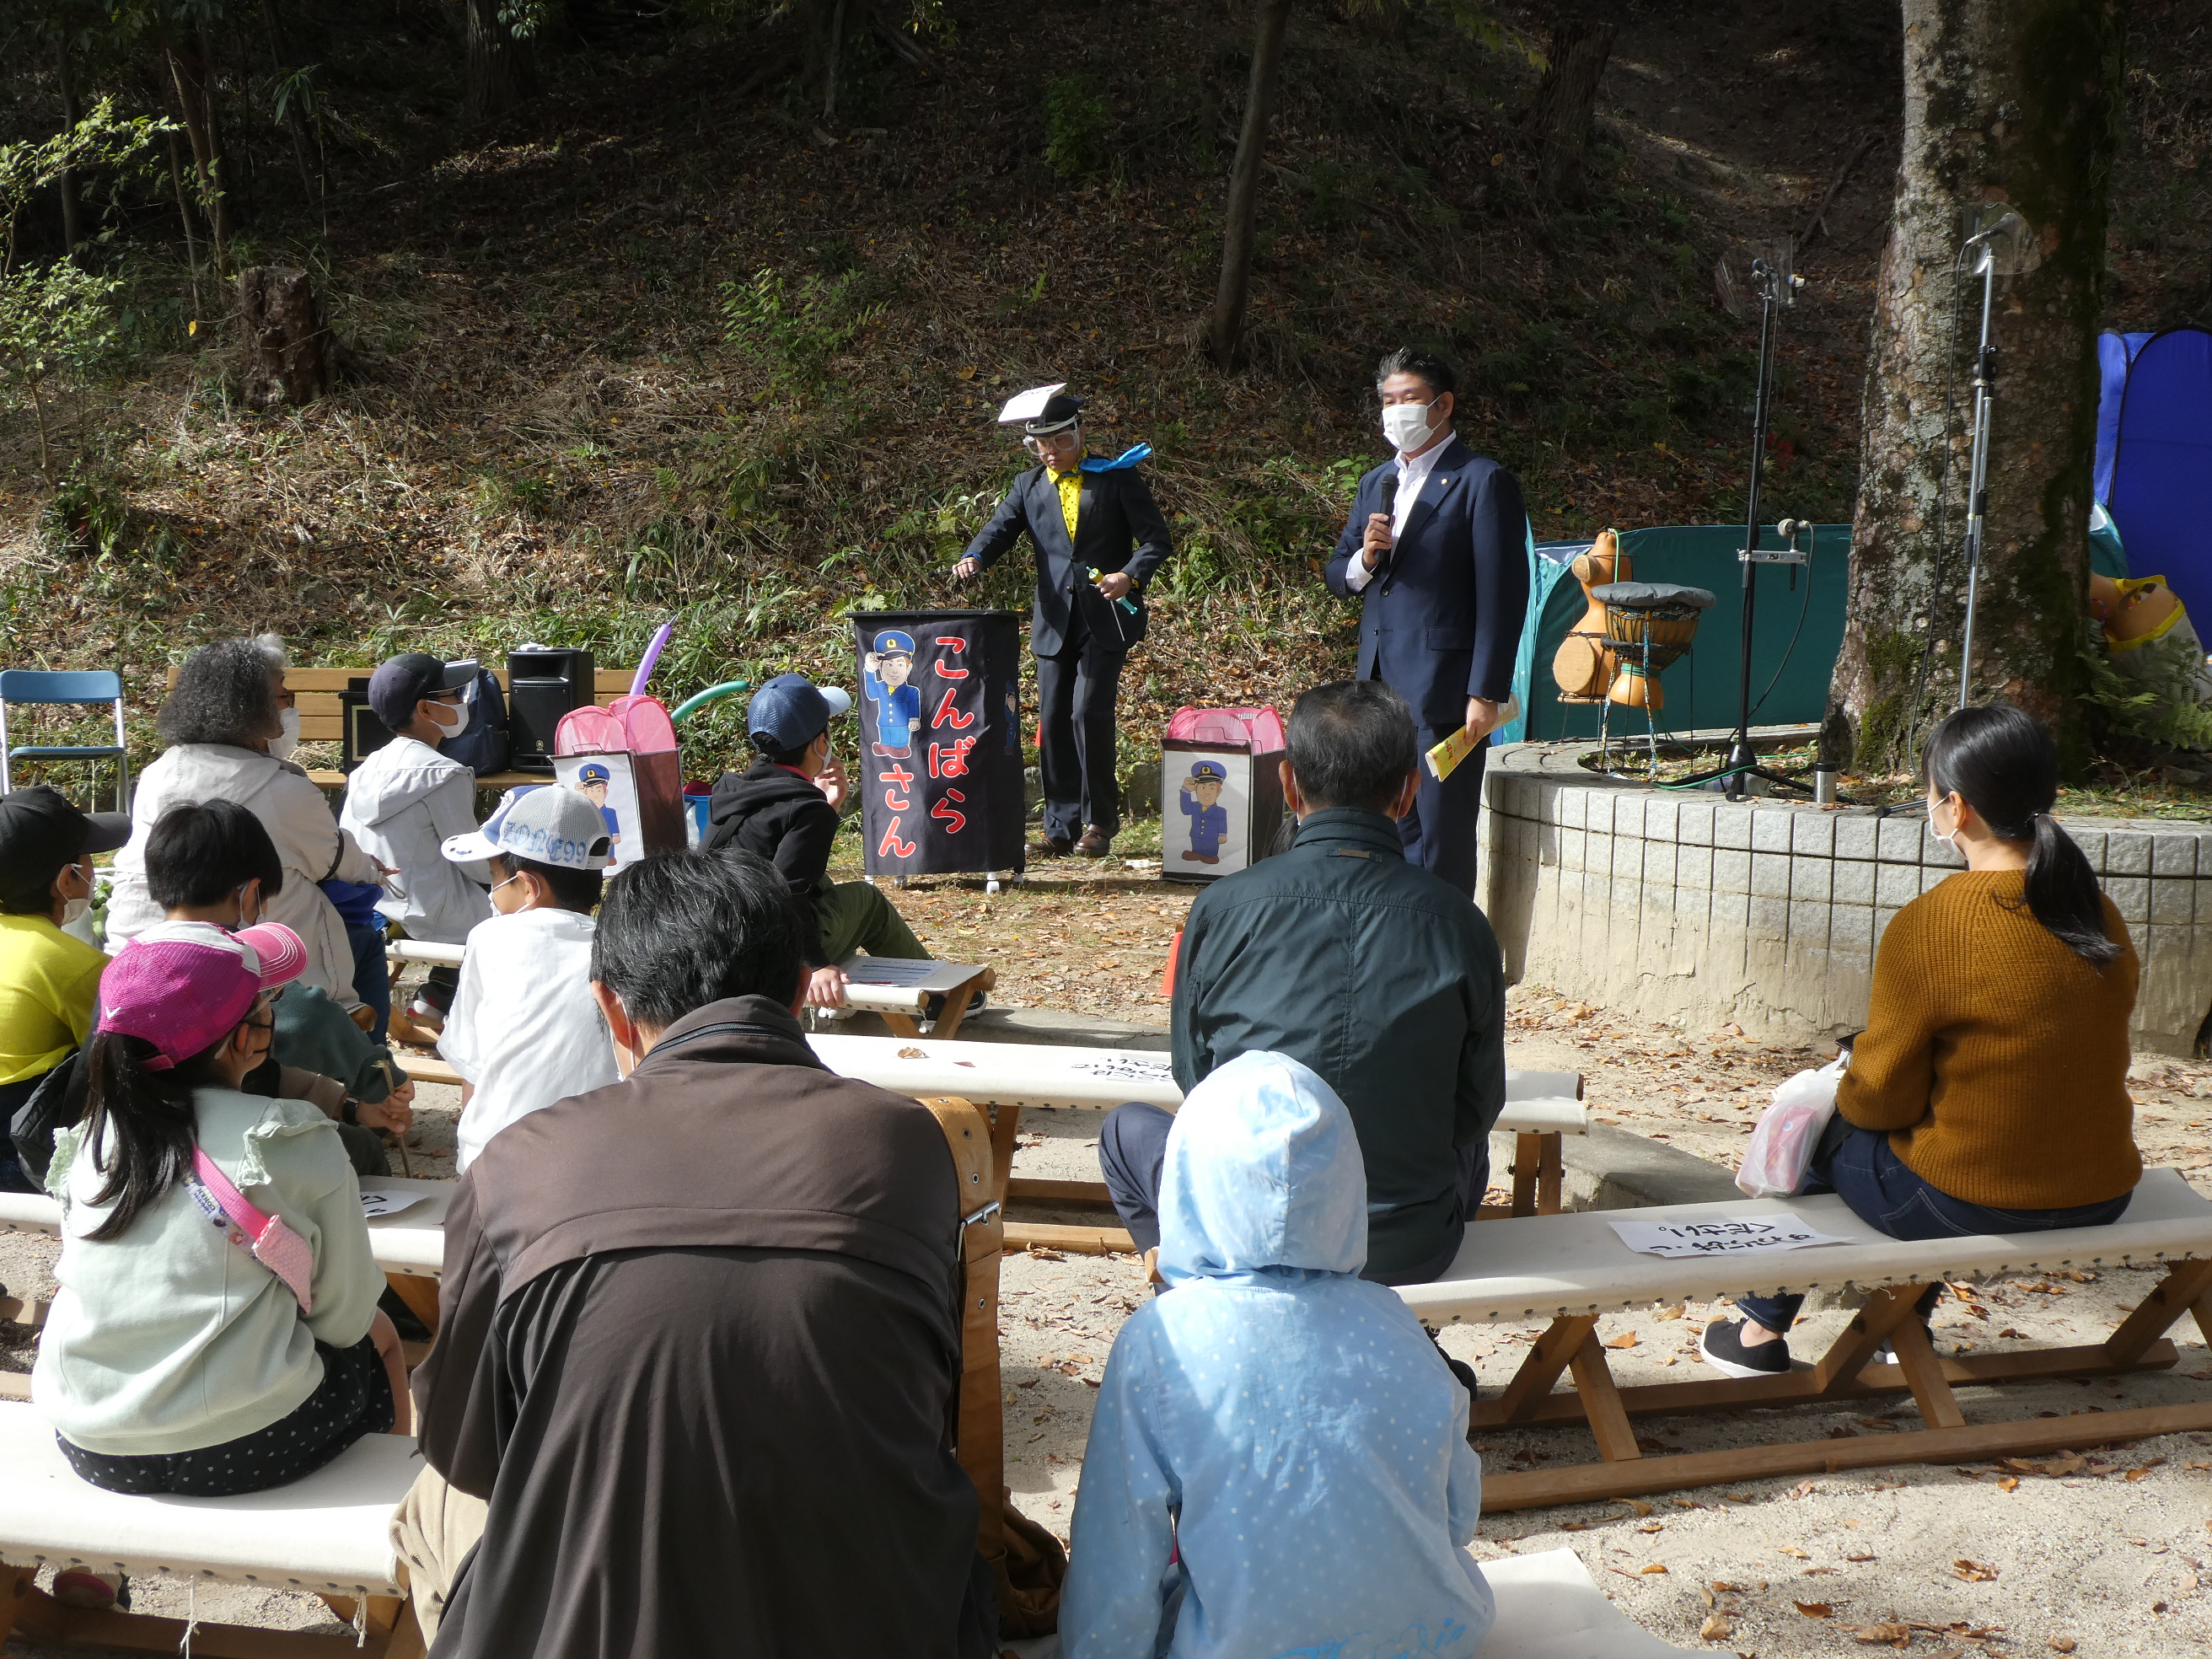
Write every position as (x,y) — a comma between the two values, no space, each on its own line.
(1701,688)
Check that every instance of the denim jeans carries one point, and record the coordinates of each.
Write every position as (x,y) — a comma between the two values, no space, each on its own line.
(1884,1193)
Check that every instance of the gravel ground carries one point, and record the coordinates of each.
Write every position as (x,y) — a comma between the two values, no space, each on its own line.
(2105,1553)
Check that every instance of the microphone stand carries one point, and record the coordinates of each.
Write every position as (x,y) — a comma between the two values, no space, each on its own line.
(1776,287)
(1978,491)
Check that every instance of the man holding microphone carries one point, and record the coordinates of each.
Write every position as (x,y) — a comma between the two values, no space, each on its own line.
(1436,548)
(1099,538)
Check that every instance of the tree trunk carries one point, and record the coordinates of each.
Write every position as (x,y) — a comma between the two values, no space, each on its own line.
(2006,102)
(1242,210)
(72,224)
(188,72)
(289,357)
(1566,102)
(500,74)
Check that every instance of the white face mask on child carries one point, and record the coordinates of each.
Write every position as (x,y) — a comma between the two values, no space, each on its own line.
(460,723)
(75,911)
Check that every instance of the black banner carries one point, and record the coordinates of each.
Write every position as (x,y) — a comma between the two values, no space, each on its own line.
(940,739)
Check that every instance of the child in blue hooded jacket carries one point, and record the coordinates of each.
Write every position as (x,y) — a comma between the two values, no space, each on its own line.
(1278,1465)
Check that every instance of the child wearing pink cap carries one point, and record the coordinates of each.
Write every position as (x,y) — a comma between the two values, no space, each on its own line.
(174,1360)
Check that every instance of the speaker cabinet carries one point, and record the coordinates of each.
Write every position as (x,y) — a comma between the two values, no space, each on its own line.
(542,685)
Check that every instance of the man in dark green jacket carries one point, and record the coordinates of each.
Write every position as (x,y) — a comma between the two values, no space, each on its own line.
(1382,978)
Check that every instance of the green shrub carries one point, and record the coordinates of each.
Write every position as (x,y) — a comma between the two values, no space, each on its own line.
(1075,127)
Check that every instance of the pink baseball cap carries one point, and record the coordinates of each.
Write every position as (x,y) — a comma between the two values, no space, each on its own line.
(183,985)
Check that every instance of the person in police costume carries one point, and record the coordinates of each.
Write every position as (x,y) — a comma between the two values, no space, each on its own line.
(1099,538)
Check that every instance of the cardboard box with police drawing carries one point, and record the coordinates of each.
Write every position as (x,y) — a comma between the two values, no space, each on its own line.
(1221,791)
(622,758)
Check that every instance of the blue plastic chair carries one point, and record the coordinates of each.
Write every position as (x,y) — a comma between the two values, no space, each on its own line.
(40,685)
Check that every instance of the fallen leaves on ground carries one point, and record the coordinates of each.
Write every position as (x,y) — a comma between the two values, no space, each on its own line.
(1717,1626)
(1974,1572)
(1625,1340)
(1814,1609)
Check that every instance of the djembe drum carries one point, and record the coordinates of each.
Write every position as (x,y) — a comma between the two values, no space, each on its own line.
(1648,626)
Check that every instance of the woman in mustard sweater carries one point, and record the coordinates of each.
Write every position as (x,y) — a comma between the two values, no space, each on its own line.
(1989,1092)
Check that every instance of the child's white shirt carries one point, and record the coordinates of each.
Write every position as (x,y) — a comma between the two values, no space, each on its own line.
(524,1029)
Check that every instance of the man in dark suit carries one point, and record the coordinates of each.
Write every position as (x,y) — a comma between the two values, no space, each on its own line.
(1099,538)
(1437,548)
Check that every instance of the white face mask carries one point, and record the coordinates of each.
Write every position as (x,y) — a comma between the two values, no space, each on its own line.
(447,733)
(75,911)
(282,745)
(1407,426)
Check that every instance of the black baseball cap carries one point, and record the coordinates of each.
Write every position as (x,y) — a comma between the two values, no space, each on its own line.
(40,832)
(399,684)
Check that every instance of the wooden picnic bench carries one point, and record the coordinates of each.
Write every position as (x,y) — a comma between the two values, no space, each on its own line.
(1571,1270)
(900,1003)
(327,1533)
(315,694)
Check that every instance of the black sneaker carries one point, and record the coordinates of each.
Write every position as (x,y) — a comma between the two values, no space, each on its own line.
(1724,1351)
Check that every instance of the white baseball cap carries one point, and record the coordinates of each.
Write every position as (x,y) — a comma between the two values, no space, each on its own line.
(543,823)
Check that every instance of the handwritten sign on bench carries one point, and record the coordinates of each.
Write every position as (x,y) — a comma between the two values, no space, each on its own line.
(1745,1235)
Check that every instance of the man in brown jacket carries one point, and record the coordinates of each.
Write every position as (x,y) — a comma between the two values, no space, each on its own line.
(700,1331)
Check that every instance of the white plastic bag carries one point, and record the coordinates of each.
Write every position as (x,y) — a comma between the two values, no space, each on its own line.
(1781,1149)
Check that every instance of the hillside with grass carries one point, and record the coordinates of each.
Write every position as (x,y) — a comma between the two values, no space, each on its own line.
(668,344)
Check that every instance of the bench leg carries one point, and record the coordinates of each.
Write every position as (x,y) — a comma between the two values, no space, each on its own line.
(1600,1398)
(1553,1353)
(16,1584)
(1923,1373)
(1884,1313)
(420,1294)
(2182,1287)
(1551,1171)
(902,1025)
(1526,1157)
(956,1005)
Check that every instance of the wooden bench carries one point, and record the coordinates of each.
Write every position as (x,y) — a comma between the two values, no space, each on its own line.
(1569,1269)
(315,694)
(1005,1077)
(959,983)
(327,1534)
(409,1247)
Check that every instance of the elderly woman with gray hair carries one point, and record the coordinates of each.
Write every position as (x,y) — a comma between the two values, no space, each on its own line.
(229,725)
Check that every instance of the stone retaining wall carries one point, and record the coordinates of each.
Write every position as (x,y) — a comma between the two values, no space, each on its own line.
(1682,906)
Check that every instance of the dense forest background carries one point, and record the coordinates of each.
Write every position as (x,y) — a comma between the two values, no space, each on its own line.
(703,309)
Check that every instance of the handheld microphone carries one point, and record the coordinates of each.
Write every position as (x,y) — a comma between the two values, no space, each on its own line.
(1389,512)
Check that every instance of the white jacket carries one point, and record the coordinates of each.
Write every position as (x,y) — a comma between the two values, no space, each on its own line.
(402,802)
(309,845)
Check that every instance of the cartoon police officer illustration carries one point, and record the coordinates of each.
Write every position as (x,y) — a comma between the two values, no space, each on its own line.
(1200,798)
(591,781)
(898,705)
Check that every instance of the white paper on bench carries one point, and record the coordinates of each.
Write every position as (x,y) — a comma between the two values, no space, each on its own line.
(1539,1267)
(1724,1234)
(326,1530)
(1547,1609)
(378,1201)
(1055,1074)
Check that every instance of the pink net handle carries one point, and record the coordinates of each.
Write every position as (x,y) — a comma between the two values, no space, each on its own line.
(646,723)
(1261,729)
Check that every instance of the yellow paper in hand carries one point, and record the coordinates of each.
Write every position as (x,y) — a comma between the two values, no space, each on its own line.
(1446,757)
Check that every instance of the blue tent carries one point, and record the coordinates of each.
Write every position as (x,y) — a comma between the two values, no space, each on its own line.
(2155,474)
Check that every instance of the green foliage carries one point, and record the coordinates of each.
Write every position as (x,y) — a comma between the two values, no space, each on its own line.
(59,316)
(1075,126)
(793,329)
(2156,700)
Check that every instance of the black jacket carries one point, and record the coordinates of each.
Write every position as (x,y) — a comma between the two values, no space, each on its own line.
(772,812)
(1118,526)
(1440,620)
(1382,979)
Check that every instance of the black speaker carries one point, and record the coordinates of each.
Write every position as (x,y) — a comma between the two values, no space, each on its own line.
(544,684)
(361,734)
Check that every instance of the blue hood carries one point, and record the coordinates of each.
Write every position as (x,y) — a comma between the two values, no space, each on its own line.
(1262,1175)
